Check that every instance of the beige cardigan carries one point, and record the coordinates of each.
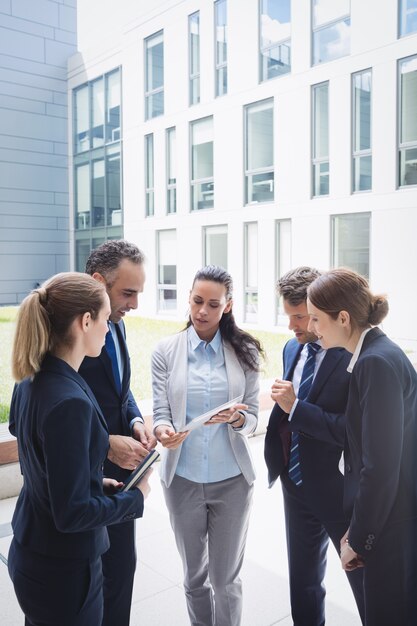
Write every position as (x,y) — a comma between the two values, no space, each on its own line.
(169,385)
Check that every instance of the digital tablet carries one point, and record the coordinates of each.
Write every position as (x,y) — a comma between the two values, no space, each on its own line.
(202,419)
(140,470)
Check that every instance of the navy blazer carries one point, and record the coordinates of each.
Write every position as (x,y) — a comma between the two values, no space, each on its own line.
(320,418)
(381,451)
(63,441)
(118,408)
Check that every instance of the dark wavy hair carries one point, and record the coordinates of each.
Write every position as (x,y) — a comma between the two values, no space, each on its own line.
(106,258)
(246,347)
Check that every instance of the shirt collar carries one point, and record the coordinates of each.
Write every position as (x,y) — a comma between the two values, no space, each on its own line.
(196,341)
(358,349)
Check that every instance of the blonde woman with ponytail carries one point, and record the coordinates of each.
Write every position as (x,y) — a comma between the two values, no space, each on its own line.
(380,486)
(61,515)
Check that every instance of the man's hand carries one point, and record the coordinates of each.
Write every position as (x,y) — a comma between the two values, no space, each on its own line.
(282,392)
(169,438)
(144,435)
(126,452)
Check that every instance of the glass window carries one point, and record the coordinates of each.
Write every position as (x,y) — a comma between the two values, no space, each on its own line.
(97,195)
(274,38)
(113,187)
(321,139)
(362,155)
(259,152)
(408,17)
(113,102)
(202,182)
(215,246)
(331,30)
(251,272)
(167,270)
(194,56)
(408,121)
(149,172)
(350,241)
(82,196)
(81,120)
(97,112)
(171,165)
(154,75)
(283,262)
(220,24)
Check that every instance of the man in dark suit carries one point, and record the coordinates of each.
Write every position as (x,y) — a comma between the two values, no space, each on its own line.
(303,445)
(119,265)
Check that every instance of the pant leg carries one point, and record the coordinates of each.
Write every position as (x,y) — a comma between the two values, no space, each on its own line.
(229,504)
(189,520)
(54,591)
(119,564)
(307,543)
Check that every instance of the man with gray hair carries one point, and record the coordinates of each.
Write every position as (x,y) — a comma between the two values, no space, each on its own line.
(119,265)
(303,446)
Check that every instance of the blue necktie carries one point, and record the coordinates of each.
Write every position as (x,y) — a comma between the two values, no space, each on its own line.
(111,351)
(294,469)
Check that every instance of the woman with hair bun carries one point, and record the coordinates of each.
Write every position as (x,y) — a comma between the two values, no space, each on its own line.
(60,520)
(380,492)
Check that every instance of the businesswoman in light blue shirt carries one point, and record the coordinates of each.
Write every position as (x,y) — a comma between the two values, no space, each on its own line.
(207,473)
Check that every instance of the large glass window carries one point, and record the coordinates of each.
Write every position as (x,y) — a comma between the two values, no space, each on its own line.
(98,207)
(331,30)
(96,112)
(351,241)
(167,270)
(154,75)
(220,26)
(283,262)
(407,17)
(251,272)
(259,152)
(408,121)
(320,96)
(202,182)
(215,246)
(194,56)
(149,176)
(361,140)
(274,38)
(171,170)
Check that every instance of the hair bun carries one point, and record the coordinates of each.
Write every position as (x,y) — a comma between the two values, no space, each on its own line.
(378,310)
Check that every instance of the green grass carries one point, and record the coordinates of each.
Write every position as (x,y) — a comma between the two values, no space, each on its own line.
(142,335)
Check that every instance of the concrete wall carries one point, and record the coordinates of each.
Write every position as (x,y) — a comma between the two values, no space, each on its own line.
(36,39)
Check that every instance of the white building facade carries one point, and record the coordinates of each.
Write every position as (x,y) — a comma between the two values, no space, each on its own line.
(258,135)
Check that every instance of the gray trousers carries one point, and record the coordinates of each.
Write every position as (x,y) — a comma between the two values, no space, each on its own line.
(210,523)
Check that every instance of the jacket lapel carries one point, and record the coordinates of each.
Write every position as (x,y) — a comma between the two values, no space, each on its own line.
(291,357)
(330,361)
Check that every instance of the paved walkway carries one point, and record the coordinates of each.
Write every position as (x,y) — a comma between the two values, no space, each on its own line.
(158,597)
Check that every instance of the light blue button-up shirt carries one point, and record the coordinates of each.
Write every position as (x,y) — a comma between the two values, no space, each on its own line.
(206,454)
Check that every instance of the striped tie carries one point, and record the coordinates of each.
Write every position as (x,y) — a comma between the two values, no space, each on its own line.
(294,469)
(111,351)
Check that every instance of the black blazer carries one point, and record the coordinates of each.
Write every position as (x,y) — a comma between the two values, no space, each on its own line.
(118,408)
(381,450)
(63,440)
(321,420)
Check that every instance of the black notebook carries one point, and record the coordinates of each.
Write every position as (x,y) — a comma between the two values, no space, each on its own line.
(140,470)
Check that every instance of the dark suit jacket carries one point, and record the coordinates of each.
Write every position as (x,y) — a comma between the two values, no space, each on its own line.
(381,451)
(63,441)
(118,408)
(321,420)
